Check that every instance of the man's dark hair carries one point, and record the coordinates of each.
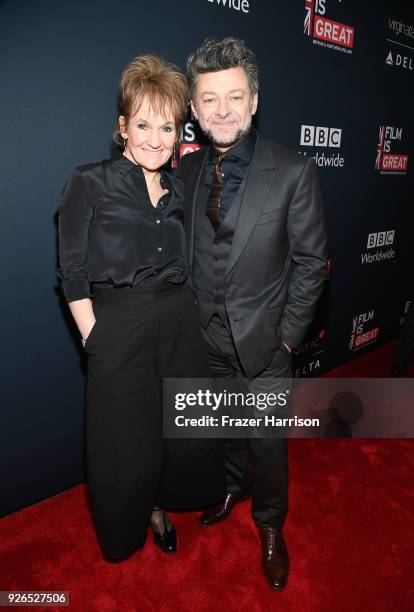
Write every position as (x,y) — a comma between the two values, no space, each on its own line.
(214,55)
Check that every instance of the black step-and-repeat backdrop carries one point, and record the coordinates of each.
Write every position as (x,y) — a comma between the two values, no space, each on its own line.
(336,84)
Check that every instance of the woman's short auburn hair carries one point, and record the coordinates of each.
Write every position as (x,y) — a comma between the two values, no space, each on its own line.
(151,77)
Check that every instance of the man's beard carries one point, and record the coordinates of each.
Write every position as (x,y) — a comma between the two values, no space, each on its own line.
(241,133)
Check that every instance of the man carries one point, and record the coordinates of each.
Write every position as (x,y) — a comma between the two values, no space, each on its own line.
(257,249)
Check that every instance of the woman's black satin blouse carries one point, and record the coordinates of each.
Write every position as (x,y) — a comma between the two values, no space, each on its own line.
(111,234)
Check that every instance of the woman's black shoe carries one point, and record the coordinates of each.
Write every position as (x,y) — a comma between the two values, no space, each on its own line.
(167,541)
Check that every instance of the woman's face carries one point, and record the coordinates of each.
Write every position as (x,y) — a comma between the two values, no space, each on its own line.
(151,137)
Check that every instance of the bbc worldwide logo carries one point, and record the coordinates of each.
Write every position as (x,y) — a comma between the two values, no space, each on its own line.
(382,242)
(315,136)
(323,137)
(380,239)
(242,6)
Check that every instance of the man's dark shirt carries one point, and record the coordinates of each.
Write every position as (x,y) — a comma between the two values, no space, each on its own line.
(212,248)
(111,234)
(234,168)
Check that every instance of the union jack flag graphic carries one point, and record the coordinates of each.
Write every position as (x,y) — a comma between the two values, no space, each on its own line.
(307,26)
(380,148)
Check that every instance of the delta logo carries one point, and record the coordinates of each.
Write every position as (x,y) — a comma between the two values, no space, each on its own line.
(399,58)
(307,356)
(326,32)
(363,333)
(400,61)
(323,137)
(386,161)
(307,369)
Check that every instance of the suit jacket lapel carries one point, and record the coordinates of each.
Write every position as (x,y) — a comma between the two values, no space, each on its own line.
(257,189)
(194,193)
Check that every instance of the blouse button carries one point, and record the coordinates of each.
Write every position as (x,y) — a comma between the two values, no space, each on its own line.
(158,221)
(159,249)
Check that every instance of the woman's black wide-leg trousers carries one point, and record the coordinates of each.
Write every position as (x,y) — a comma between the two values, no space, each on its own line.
(142,335)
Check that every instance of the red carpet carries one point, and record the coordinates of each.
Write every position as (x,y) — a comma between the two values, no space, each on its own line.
(349,531)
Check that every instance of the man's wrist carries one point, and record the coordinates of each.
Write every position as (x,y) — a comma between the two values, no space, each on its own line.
(287,345)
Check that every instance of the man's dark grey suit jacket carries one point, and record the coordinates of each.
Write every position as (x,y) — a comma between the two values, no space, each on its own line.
(278,258)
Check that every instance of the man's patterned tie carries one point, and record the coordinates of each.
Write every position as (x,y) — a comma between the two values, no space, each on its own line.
(213,204)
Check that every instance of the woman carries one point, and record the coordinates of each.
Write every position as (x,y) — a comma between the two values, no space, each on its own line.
(123,267)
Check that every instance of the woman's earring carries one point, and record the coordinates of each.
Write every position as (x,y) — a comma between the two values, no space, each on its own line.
(175,155)
(125,143)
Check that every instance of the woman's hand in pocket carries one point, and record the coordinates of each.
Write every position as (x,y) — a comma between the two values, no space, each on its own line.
(90,330)
(84,316)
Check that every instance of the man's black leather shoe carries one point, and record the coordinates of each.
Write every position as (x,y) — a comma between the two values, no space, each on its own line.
(275,557)
(220,511)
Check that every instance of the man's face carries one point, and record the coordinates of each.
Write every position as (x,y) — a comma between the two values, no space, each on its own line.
(224,106)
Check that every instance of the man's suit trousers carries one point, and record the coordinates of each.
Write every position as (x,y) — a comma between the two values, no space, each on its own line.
(267,455)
